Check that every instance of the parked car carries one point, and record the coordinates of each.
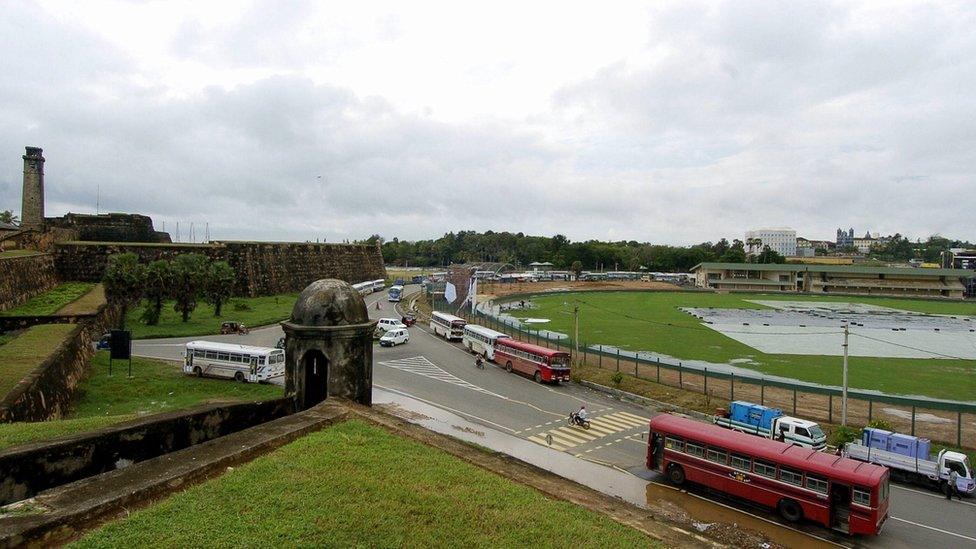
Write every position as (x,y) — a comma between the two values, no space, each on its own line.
(395,337)
(409,319)
(418,279)
(387,324)
(104,343)
(399,282)
(231,327)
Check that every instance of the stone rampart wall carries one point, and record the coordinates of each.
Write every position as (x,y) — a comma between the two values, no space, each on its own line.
(21,278)
(262,268)
(31,468)
(47,391)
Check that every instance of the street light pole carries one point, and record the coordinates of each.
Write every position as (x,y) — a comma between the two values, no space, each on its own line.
(843,401)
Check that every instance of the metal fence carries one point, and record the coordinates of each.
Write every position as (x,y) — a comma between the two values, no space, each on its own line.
(951,422)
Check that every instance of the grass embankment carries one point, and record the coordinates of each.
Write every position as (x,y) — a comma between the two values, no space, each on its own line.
(86,304)
(354,484)
(252,311)
(52,300)
(19,253)
(653,322)
(155,387)
(20,355)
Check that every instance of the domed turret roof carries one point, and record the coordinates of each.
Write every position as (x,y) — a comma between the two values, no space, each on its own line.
(329,302)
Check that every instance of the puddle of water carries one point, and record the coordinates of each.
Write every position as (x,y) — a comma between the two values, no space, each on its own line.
(706,512)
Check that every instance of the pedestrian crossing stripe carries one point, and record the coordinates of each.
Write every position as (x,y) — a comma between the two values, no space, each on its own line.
(566,436)
(421,366)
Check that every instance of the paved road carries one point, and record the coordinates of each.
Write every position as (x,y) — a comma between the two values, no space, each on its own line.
(442,374)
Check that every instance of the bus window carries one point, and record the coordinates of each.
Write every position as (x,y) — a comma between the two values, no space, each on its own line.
(718,456)
(862,497)
(696,450)
(765,469)
(790,476)
(741,463)
(673,443)
(817,484)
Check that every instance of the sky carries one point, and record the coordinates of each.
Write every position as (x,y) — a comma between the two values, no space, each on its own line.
(665,122)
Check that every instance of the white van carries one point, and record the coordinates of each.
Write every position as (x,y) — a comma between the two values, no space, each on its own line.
(387,324)
(394,337)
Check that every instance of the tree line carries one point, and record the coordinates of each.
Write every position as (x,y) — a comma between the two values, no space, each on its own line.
(520,250)
(185,279)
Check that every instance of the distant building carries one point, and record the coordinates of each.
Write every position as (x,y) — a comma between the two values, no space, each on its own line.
(780,240)
(540,266)
(835,279)
(862,244)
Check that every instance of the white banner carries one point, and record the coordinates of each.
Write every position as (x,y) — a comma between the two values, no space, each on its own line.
(450,293)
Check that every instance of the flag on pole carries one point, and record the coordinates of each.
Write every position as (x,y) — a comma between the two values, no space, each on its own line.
(450,293)
(473,293)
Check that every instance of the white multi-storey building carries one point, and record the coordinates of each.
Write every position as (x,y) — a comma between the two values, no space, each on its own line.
(780,240)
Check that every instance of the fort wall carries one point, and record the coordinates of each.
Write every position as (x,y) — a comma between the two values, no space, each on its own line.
(262,268)
(21,278)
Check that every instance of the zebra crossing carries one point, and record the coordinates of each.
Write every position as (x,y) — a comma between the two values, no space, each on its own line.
(421,366)
(567,436)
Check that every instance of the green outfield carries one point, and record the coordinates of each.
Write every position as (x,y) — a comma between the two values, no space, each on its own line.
(652,321)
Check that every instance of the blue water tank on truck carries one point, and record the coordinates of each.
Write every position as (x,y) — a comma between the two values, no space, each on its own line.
(756,419)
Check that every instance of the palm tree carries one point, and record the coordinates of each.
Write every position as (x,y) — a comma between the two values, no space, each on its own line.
(8,216)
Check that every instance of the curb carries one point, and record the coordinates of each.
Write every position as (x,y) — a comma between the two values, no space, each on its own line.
(643,401)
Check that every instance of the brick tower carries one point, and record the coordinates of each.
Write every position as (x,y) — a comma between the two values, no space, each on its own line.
(32,209)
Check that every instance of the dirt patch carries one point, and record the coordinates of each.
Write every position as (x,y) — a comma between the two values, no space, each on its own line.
(497,290)
(468,430)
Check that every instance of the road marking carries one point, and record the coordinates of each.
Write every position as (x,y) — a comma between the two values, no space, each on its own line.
(441,406)
(643,420)
(421,366)
(933,528)
(554,446)
(929,494)
(600,427)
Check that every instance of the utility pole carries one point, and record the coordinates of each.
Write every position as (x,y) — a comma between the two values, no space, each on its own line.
(843,400)
(576,337)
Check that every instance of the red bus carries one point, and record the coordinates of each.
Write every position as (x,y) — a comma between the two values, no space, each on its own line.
(836,492)
(539,362)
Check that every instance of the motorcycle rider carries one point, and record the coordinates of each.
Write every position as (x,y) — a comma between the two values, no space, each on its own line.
(478,362)
(581,414)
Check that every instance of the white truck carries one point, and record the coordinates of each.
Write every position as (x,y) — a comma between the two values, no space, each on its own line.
(908,459)
(756,419)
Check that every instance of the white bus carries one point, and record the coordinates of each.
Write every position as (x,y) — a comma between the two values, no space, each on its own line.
(379,284)
(481,340)
(230,360)
(364,288)
(447,326)
(395,293)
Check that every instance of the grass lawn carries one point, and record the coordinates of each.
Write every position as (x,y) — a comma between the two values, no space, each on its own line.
(86,304)
(354,484)
(156,386)
(260,311)
(657,325)
(51,301)
(20,355)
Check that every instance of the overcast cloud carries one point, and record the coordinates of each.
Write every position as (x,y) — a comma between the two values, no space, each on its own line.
(669,123)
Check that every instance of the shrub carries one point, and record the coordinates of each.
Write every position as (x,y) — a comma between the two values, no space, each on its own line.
(617,378)
(842,435)
(241,305)
(881,424)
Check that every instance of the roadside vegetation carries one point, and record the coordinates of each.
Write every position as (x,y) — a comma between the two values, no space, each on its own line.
(21,354)
(155,387)
(354,484)
(52,300)
(252,311)
(651,321)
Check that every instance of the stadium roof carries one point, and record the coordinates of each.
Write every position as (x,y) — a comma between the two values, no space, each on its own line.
(843,269)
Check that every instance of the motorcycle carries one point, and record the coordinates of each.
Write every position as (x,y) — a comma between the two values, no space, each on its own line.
(480,363)
(574,419)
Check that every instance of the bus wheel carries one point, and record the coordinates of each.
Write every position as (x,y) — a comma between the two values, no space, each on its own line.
(676,474)
(538,377)
(790,510)
(239,376)
(508,366)
(197,371)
